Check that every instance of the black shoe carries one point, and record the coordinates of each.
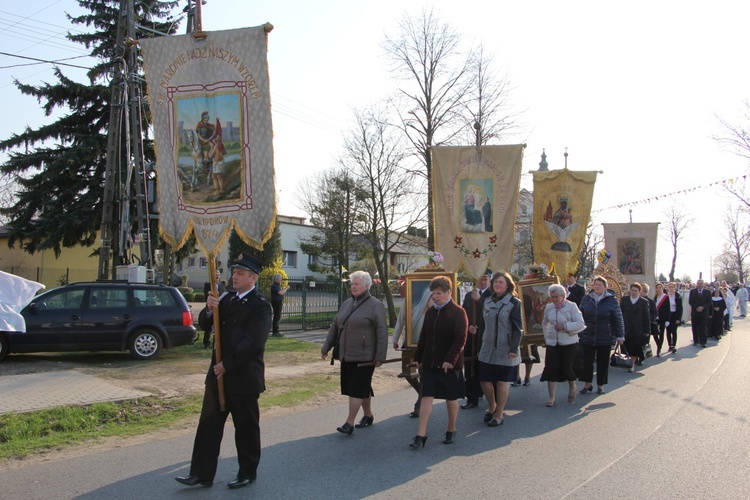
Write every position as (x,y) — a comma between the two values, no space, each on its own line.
(487,417)
(239,482)
(193,481)
(526,382)
(365,422)
(600,390)
(346,428)
(495,422)
(587,389)
(449,437)
(516,383)
(468,405)
(418,442)
(277,334)
(703,345)
(414,414)
(639,363)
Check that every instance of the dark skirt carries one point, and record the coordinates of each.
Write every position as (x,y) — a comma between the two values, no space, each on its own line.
(535,358)
(559,363)
(634,347)
(441,385)
(356,382)
(497,373)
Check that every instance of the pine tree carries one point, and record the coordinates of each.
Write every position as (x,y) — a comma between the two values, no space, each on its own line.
(60,166)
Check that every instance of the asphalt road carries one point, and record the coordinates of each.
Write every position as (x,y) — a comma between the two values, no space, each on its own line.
(677,429)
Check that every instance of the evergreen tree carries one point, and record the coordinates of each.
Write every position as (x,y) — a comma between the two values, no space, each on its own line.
(269,255)
(59,167)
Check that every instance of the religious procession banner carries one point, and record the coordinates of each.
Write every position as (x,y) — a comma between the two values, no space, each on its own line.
(633,248)
(562,208)
(211,109)
(475,198)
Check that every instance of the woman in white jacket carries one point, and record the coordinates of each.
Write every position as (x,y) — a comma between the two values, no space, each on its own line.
(562,322)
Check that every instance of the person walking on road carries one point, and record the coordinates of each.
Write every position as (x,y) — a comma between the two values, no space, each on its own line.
(245,322)
(700,307)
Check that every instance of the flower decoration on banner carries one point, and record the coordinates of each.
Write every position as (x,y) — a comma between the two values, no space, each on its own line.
(540,270)
(435,257)
(476,253)
(604,255)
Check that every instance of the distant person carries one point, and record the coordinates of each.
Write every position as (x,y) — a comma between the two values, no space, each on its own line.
(575,292)
(741,297)
(361,331)
(661,299)
(700,306)
(729,311)
(637,321)
(604,328)
(716,314)
(206,289)
(674,318)
(277,302)
(474,306)
(653,315)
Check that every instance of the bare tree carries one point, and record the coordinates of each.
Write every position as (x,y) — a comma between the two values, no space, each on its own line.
(374,153)
(330,199)
(426,53)
(677,221)
(738,239)
(736,137)
(488,101)
(724,265)
(7,196)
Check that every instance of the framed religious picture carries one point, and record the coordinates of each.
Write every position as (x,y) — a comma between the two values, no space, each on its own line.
(534,295)
(419,298)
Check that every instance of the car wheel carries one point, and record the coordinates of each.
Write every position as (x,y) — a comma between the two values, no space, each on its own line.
(3,346)
(145,344)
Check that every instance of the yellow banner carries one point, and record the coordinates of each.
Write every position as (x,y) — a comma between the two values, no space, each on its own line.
(562,208)
(475,196)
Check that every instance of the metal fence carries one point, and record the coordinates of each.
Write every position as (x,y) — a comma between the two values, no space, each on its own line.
(308,305)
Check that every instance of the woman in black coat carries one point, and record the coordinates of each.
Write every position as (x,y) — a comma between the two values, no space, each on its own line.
(716,314)
(635,315)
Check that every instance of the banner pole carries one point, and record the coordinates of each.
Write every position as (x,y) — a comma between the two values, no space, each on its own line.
(217,334)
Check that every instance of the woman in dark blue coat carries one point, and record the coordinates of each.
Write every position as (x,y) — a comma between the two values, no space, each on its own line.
(604,327)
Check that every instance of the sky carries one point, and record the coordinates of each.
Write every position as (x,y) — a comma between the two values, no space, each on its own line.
(632,89)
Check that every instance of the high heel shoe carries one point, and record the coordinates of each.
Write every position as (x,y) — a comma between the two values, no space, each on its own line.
(587,389)
(572,398)
(449,437)
(418,442)
(347,428)
(550,403)
(365,422)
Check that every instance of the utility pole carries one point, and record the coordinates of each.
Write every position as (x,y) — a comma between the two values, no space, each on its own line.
(125,180)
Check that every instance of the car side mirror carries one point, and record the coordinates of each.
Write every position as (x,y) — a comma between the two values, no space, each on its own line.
(33,307)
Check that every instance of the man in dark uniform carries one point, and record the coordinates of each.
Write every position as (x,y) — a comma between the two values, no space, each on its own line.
(206,290)
(474,307)
(575,291)
(700,305)
(245,321)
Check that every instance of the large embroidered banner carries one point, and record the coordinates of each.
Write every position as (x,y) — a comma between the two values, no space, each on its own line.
(633,247)
(211,110)
(562,208)
(475,197)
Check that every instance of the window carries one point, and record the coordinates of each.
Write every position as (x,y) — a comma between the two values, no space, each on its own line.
(312,260)
(191,262)
(102,298)
(290,259)
(203,263)
(152,298)
(67,299)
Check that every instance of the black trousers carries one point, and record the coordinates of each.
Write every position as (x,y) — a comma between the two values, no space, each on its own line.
(699,323)
(246,417)
(601,353)
(276,306)
(471,372)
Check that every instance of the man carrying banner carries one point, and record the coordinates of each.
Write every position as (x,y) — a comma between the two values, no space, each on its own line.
(245,322)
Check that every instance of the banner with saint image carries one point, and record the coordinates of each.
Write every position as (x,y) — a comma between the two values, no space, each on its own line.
(562,208)
(211,108)
(475,197)
(633,247)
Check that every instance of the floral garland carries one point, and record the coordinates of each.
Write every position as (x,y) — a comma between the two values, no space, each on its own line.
(540,270)
(476,253)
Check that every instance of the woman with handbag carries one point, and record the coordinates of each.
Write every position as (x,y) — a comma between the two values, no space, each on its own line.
(604,327)
(637,321)
(562,322)
(360,334)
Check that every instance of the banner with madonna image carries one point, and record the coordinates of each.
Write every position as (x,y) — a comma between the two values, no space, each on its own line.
(562,208)
(475,198)
(633,247)
(211,108)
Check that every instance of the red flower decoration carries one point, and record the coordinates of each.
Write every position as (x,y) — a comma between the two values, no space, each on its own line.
(457,240)
(493,239)
(476,253)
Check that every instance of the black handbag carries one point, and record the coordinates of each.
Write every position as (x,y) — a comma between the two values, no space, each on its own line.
(337,345)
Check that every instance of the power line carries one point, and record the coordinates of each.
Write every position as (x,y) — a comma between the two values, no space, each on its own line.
(57,62)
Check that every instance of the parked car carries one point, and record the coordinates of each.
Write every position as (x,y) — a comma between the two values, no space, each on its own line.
(107,316)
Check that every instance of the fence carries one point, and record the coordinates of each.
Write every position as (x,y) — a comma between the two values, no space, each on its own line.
(308,305)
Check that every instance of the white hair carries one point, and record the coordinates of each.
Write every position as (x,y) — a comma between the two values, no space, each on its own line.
(558,289)
(363,277)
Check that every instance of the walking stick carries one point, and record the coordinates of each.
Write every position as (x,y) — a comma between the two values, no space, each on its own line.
(474,342)
(217,333)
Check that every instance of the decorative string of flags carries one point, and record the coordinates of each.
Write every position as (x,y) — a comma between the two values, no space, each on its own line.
(651,199)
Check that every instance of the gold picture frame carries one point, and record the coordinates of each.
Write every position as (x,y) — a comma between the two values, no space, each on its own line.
(534,295)
(417,299)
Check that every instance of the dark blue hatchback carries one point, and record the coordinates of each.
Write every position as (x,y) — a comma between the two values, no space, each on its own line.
(108,316)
